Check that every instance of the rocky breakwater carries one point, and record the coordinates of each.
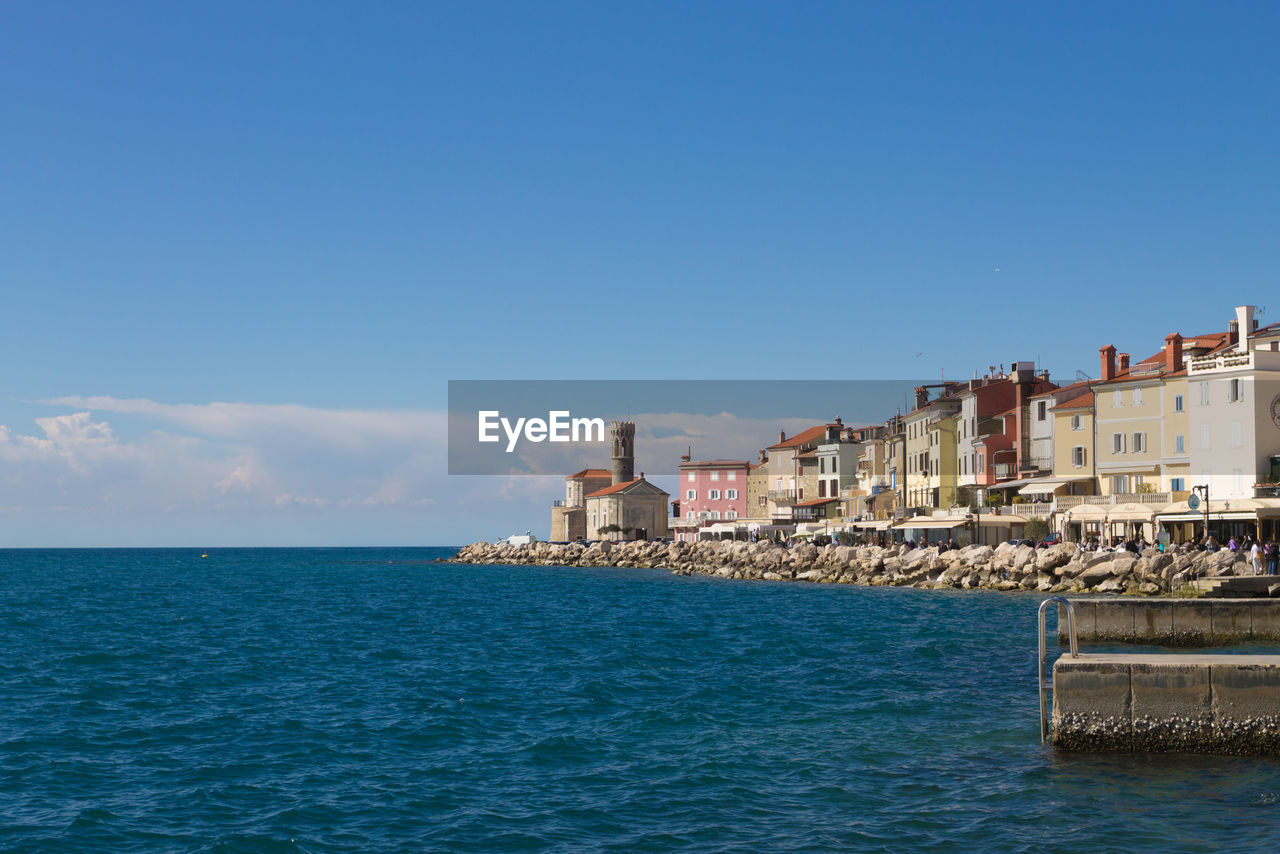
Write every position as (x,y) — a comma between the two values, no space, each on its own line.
(1056,569)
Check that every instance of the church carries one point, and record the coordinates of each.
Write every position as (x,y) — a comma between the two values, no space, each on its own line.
(613,504)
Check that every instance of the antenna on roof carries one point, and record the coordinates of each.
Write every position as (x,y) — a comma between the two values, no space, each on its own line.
(1082,377)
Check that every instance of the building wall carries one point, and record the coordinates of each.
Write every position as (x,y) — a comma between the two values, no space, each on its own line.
(628,511)
(1065,439)
(1119,412)
(1175,474)
(702,481)
(758,493)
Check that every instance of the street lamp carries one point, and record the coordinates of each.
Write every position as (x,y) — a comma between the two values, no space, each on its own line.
(1201,495)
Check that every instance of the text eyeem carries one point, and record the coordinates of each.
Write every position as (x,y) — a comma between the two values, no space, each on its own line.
(558,426)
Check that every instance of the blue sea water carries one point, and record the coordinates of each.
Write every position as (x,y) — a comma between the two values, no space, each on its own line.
(372,700)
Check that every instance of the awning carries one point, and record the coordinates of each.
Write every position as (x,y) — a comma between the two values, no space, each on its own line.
(1002,521)
(873,524)
(1130,513)
(1087,513)
(1048,485)
(725,527)
(931,522)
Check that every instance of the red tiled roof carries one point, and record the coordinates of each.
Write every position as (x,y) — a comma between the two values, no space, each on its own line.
(815,502)
(590,474)
(1080,401)
(610,490)
(802,438)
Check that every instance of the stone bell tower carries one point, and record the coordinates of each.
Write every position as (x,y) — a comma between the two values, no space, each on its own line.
(623,434)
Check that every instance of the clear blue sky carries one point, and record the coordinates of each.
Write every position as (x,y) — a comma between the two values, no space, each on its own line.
(339,207)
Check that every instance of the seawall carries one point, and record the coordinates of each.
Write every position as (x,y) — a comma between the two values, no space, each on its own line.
(1057,569)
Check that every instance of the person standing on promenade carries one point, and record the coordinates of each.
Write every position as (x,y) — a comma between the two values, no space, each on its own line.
(1255,558)
(1273,557)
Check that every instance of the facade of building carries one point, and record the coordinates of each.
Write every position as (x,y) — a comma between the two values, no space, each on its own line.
(713,491)
(569,517)
(1234,411)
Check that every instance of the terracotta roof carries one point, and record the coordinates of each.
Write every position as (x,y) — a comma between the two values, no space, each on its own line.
(610,490)
(802,438)
(1080,401)
(589,473)
(815,502)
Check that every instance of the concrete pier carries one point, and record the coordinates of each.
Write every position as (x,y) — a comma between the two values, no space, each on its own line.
(1174,622)
(1167,703)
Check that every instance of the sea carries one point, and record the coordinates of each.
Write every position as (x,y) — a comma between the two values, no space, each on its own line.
(326,700)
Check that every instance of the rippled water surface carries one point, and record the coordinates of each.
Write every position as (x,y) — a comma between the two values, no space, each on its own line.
(370,699)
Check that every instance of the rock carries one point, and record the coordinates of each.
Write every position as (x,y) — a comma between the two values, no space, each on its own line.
(1055,556)
(1022,556)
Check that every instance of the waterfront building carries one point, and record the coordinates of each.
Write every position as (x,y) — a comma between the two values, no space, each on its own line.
(994,436)
(786,469)
(711,491)
(615,500)
(634,509)
(1234,426)
(569,516)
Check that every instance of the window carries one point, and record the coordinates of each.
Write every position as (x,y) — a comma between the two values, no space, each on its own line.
(981,464)
(1204,437)
(1139,443)
(1137,397)
(1077,456)
(1179,444)
(1115,399)
(1178,484)
(822,465)
(1235,391)
(715,475)
(731,514)
(1076,422)
(1042,410)
(690,494)
(833,488)
(1204,394)
(691,477)
(822,489)
(1177,403)
(1117,443)
(833,466)
(1236,441)
(1120,483)
(714,514)
(733,475)
(713,495)
(731,494)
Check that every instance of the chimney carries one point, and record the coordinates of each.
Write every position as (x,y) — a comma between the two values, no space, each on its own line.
(1245,325)
(1172,353)
(839,423)
(1122,362)
(922,396)
(1108,354)
(1233,331)
(782,436)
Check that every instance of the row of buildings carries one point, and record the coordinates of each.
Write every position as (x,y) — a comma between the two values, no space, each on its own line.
(1182,441)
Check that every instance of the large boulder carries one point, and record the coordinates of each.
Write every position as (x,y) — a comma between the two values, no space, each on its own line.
(1055,556)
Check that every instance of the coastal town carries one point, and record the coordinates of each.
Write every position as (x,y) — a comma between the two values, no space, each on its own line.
(1177,446)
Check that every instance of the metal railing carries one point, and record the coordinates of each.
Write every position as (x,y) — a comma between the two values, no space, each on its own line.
(1045,687)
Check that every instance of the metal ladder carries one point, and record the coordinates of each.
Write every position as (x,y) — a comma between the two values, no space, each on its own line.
(1045,686)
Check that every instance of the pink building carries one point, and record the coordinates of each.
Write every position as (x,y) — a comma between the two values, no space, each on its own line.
(711,491)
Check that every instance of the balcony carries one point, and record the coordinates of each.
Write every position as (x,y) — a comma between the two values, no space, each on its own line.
(1266,490)
(782,497)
